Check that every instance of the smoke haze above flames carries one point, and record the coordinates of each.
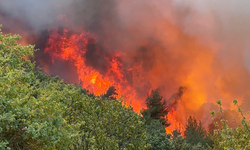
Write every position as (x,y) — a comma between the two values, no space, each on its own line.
(200,45)
(40,15)
(208,38)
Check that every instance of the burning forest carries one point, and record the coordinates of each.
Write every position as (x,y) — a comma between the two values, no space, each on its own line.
(193,53)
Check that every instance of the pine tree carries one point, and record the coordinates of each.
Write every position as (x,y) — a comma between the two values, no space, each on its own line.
(195,133)
(155,122)
(156,108)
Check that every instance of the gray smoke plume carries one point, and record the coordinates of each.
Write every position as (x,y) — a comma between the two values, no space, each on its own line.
(40,15)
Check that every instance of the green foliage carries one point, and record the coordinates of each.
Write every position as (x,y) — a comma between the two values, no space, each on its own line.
(155,123)
(103,124)
(25,121)
(156,133)
(231,138)
(180,143)
(38,111)
(156,136)
(156,108)
(195,133)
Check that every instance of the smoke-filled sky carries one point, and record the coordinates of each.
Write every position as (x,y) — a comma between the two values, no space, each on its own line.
(202,45)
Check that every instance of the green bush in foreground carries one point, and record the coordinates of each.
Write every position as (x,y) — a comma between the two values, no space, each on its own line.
(231,138)
(26,122)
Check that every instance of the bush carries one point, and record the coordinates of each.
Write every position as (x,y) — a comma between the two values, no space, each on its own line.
(231,138)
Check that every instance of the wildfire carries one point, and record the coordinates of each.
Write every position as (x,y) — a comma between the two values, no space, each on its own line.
(175,125)
(74,48)
(143,45)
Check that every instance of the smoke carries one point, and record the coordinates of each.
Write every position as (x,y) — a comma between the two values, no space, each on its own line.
(219,30)
(200,45)
(175,98)
(225,24)
(40,15)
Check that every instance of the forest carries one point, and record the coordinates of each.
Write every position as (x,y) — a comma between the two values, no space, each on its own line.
(39,111)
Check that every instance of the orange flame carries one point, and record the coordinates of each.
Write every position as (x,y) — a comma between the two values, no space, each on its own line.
(73,48)
(175,125)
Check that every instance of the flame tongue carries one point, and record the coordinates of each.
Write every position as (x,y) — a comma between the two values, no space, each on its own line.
(74,48)
(175,125)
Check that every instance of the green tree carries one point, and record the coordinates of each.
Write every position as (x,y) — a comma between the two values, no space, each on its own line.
(104,124)
(26,122)
(180,143)
(155,123)
(195,133)
(156,108)
(94,122)
(156,136)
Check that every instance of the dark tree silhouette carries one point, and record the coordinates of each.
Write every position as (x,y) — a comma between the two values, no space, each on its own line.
(156,108)
(111,93)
